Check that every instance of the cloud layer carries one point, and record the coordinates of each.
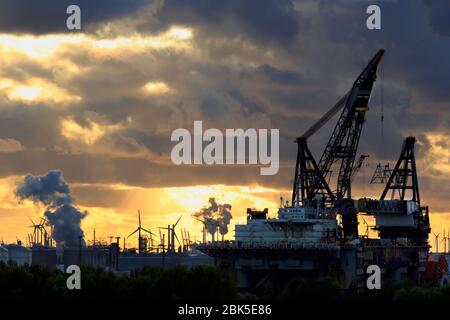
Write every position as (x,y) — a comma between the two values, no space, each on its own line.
(101,104)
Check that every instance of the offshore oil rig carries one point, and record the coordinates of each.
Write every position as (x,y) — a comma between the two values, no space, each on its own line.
(316,234)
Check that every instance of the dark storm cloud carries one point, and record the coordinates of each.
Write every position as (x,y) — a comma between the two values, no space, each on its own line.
(338,44)
(100,196)
(211,104)
(49,16)
(286,77)
(439,13)
(35,128)
(82,168)
(416,56)
(263,20)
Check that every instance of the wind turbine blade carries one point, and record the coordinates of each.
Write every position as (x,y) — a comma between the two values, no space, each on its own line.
(177,222)
(139,215)
(177,238)
(133,232)
(32,221)
(145,230)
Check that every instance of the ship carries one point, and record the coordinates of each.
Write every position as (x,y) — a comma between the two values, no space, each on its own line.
(317,234)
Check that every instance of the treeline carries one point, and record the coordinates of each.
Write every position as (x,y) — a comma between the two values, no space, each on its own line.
(42,283)
(181,283)
(328,289)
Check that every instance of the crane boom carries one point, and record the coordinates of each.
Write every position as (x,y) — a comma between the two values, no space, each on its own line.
(344,140)
(327,116)
(342,144)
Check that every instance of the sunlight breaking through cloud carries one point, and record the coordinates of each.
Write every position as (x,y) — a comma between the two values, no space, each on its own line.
(36,90)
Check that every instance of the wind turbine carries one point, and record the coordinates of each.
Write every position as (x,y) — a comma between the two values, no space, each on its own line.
(44,233)
(436,239)
(35,227)
(448,239)
(161,240)
(169,247)
(444,240)
(40,236)
(139,230)
(174,234)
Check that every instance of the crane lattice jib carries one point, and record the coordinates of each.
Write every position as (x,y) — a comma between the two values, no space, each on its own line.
(404,176)
(344,141)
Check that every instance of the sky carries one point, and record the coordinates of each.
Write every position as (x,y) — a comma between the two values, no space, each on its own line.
(100,103)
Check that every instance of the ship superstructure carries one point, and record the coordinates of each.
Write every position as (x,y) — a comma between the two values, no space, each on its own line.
(294,226)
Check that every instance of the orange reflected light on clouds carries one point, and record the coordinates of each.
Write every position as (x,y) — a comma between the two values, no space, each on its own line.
(438,157)
(36,90)
(156,88)
(44,47)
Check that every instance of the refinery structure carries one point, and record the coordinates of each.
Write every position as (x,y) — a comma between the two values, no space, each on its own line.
(315,233)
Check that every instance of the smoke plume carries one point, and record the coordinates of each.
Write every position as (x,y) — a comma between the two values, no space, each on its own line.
(53,192)
(215,216)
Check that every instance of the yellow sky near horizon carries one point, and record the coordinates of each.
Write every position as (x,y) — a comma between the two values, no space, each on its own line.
(159,207)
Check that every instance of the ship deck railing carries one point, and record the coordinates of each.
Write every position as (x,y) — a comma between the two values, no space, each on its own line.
(237,245)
